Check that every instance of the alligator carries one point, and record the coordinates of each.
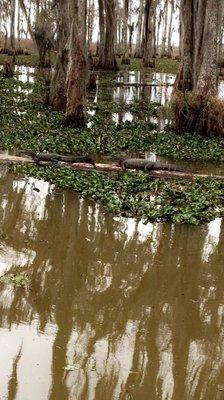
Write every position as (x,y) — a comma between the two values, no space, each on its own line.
(55,158)
(141,164)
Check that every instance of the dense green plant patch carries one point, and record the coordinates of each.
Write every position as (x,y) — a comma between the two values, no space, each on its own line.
(139,195)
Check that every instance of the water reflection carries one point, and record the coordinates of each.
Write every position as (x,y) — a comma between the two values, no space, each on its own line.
(25,74)
(130,86)
(137,309)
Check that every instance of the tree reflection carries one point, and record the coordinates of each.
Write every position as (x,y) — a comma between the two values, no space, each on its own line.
(135,309)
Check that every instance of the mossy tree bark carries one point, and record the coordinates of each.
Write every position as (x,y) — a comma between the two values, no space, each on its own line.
(77,65)
(149,36)
(195,99)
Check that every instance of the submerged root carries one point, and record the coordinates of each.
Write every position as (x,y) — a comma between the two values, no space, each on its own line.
(192,113)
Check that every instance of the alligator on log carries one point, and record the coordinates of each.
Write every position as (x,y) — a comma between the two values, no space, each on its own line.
(56,158)
(148,166)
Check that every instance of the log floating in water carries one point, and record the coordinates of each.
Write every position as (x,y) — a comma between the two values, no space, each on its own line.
(11,159)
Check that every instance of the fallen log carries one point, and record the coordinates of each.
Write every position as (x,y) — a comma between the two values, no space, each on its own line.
(183,175)
(101,167)
(11,159)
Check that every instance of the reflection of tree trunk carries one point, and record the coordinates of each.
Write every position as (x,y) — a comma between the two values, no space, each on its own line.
(77,66)
(199,110)
(13,383)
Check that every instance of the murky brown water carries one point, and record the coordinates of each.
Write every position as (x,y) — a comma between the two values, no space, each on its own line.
(134,311)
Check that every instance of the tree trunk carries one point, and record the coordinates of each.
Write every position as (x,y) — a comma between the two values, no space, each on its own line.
(57,97)
(119,36)
(149,38)
(91,14)
(221,38)
(77,66)
(125,57)
(195,99)
(169,47)
(102,32)
(138,47)
(165,16)
(41,33)
(12,26)
(109,59)
(18,26)
(6,37)
(131,31)
(158,28)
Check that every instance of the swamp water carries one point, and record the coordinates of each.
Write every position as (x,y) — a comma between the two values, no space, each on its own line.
(111,308)
(97,307)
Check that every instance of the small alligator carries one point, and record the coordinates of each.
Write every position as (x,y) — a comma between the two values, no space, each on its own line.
(147,166)
(55,158)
